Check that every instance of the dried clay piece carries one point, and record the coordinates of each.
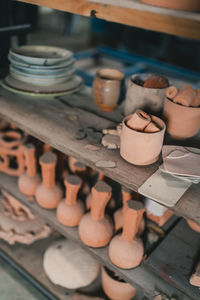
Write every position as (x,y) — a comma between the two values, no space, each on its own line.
(196,100)
(157,212)
(29,181)
(156,82)
(92,147)
(70,210)
(186,96)
(68,265)
(106,164)
(48,194)
(195,278)
(95,229)
(76,166)
(139,120)
(194,226)
(151,128)
(111,141)
(118,215)
(171,92)
(126,250)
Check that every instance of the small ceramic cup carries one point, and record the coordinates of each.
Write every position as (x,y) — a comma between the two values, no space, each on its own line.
(141,148)
(182,121)
(106,88)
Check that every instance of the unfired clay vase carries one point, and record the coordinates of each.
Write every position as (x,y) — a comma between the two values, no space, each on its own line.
(29,181)
(95,229)
(141,148)
(126,250)
(68,265)
(70,210)
(106,88)
(116,289)
(157,212)
(190,5)
(144,98)
(182,122)
(48,194)
(194,226)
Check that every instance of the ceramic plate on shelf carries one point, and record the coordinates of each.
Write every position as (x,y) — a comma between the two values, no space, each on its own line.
(41,55)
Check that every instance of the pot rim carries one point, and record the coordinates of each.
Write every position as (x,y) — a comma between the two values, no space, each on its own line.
(145,133)
(181,106)
(121,75)
(142,87)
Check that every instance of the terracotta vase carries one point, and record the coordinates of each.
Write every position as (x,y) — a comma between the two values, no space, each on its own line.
(70,210)
(126,250)
(118,215)
(141,148)
(189,5)
(139,97)
(95,229)
(182,122)
(194,226)
(157,212)
(115,288)
(29,181)
(106,88)
(48,194)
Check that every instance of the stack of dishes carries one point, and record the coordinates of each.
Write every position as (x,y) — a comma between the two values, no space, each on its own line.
(42,70)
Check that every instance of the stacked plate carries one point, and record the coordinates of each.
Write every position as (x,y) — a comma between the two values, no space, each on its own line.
(42,70)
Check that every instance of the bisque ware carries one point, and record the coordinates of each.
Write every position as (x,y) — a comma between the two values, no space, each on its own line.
(106,88)
(190,5)
(95,228)
(115,288)
(157,212)
(29,180)
(48,193)
(71,209)
(140,147)
(126,250)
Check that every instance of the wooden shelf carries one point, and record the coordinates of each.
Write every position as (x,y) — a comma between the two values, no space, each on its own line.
(132,13)
(55,121)
(136,276)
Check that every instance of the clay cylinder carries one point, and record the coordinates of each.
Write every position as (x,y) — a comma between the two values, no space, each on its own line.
(48,165)
(29,153)
(72,184)
(171,92)
(186,96)
(196,100)
(139,120)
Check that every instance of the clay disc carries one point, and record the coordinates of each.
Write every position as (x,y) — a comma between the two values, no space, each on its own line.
(68,265)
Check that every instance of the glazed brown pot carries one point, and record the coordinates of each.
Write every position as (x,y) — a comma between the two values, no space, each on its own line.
(106,88)
(95,229)
(190,5)
(70,210)
(140,148)
(116,289)
(182,122)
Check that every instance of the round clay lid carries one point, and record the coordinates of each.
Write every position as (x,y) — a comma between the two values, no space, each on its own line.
(68,265)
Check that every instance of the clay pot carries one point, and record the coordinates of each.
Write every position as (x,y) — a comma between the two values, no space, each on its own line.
(126,250)
(182,122)
(95,229)
(190,5)
(137,96)
(157,212)
(70,210)
(194,226)
(29,181)
(48,194)
(141,148)
(106,88)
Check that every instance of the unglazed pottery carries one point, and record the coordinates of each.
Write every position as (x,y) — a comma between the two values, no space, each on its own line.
(126,250)
(95,229)
(194,226)
(138,96)
(115,288)
(48,193)
(157,212)
(68,265)
(71,209)
(141,148)
(29,181)
(190,5)
(182,122)
(106,88)
(185,96)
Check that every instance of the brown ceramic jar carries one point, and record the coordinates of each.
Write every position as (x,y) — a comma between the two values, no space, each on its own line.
(106,88)
(48,193)
(115,288)
(126,250)
(29,181)
(95,229)
(70,210)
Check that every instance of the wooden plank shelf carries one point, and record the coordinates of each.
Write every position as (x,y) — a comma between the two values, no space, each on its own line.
(141,278)
(132,13)
(55,122)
